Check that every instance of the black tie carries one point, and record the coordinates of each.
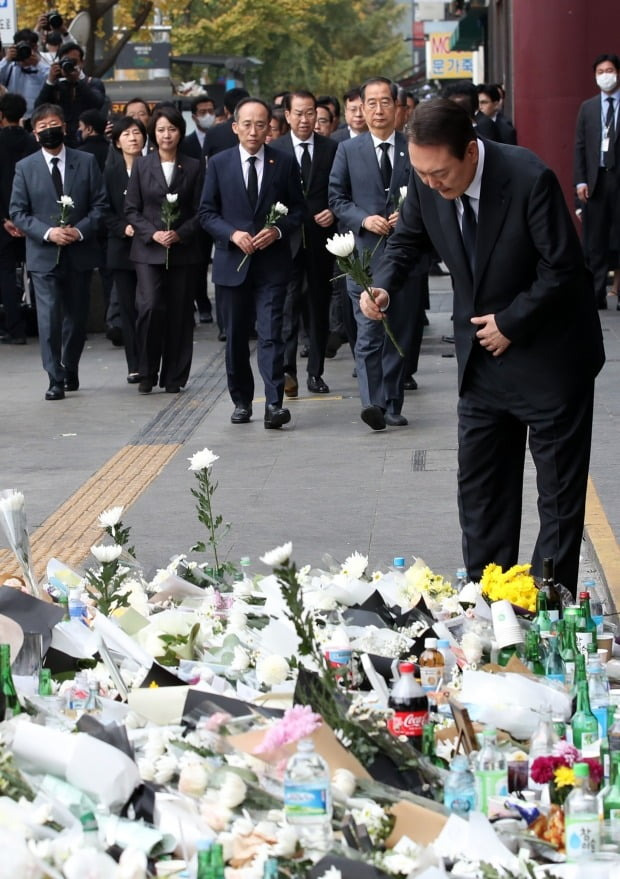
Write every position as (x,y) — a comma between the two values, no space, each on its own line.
(306,164)
(56,178)
(469,227)
(386,165)
(609,156)
(252,181)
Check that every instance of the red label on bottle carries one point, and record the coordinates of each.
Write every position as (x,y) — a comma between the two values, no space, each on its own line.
(407,723)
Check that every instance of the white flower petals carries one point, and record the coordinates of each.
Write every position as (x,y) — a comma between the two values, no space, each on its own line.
(202,460)
(341,245)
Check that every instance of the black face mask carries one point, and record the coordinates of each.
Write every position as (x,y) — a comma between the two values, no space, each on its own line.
(51,137)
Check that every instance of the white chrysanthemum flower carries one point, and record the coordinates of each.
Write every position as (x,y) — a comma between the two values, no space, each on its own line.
(233,792)
(280,209)
(272,670)
(110,518)
(106,553)
(66,201)
(403,193)
(471,644)
(355,565)
(286,846)
(237,620)
(11,501)
(172,197)
(202,460)
(302,576)
(278,556)
(344,781)
(470,593)
(193,779)
(165,768)
(341,245)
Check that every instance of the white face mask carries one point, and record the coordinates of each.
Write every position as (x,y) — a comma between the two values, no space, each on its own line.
(206,121)
(607,81)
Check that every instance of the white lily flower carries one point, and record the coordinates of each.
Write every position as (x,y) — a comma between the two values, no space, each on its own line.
(110,518)
(172,197)
(341,245)
(278,556)
(106,553)
(11,501)
(271,670)
(202,460)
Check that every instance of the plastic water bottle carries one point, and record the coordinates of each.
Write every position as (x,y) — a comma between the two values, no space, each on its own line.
(598,691)
(459,793)
(308,798)
(449,659)
(596,605)
(491,771)
(461,579)
(77,608)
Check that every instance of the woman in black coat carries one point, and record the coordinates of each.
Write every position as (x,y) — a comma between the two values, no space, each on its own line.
(165,253)
(128,138)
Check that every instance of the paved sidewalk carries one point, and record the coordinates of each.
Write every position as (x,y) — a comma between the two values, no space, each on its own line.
(326,481)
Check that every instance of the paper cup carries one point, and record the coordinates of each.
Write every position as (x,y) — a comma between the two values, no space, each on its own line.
(606,643)
(505,624)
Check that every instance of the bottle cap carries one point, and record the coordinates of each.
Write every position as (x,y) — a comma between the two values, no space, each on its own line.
(405,667)
(490,732)
(583,595)
(399,562)
(581,770)
(430,643)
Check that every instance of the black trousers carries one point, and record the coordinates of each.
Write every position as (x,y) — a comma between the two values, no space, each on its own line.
(126,281)
(494,421)
(309,295)
(165,322)
(601,215)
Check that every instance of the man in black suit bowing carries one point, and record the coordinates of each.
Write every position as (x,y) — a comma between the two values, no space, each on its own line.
(597,171)
(252,262)
(313,266)
(528,339)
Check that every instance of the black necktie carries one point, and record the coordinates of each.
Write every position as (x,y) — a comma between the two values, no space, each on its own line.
(469,227)
(386,165)
(56,178)
(252,181)
(610,128)
(306,164)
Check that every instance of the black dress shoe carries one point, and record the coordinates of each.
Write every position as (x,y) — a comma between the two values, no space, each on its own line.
(55,392)
(173,389)
(241,415)
(448,339)
(275,416)
(206,317)
(133,378)
(115,335)
(410,384)
(221,337)
(145,386)
(602,305)
(316,385)
(373,416)
(395,420)
(13,340)
(71,382)
(291,386)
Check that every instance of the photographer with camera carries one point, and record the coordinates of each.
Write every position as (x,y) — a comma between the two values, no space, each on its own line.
(52,23)
(22,71)
(68,87)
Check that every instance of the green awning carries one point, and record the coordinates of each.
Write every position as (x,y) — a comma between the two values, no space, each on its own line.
(468,34)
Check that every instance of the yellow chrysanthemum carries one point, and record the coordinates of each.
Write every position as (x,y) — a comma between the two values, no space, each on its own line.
(515,585)
(564,776)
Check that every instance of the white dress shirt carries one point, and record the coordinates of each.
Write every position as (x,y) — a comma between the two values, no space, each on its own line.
(473,190)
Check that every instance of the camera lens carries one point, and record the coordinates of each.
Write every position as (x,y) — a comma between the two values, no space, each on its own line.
(54,20)
(67,65)
(23,51)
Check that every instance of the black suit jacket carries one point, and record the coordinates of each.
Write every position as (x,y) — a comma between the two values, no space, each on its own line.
(505,129)
(486,127)
(116,183)
(529,272)
(316,193)
(588,137)
(146,192)
(15,144)
(220,137)
(191,146)
(98,146)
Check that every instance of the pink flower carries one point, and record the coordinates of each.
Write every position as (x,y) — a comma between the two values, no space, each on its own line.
(568,753)
(541,770)
(299,722)
(215,721)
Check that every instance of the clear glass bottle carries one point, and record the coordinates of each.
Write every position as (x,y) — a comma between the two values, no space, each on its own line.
(598,692)
(491,771)
(581,821)
(596,605)
(449,659)
(461,579)
(459,792)
(554,664)
(307,797)
(431,664)
(544,736)
(7,687)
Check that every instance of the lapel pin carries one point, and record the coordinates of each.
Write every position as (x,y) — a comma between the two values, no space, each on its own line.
(401,154)
(272,161)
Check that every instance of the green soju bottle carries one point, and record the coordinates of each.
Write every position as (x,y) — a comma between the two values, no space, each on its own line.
(611,798)
(542,619)
(532,653)
(550,590)
(569,649)
(11,702)
(586,633)
(584,724)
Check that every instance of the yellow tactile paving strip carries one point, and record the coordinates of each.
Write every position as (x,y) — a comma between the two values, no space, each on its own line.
(603,542)
(73,528)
